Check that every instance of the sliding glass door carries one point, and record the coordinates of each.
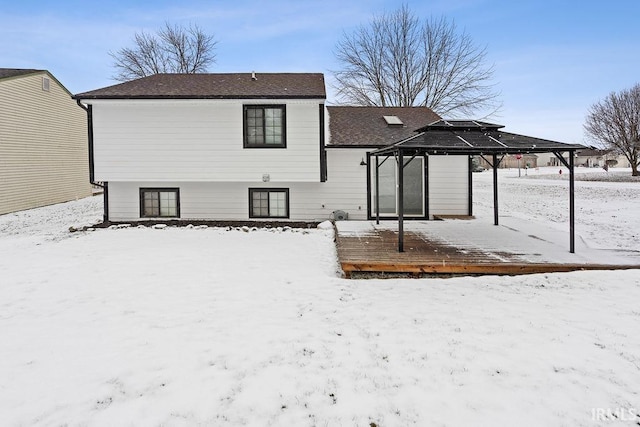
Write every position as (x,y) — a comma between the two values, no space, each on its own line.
(388,184)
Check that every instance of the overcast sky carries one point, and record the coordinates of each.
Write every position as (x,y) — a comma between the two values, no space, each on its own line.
(552,59)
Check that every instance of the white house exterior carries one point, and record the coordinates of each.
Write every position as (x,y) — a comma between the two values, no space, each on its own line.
(250,147)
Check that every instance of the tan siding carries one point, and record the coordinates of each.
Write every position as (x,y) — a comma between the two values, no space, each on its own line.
(43,145)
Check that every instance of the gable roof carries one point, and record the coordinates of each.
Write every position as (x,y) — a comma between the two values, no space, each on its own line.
(215,86)
(11,73)
(367,127)
(14,72)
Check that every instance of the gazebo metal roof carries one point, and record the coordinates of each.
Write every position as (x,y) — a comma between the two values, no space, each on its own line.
(473,138)
(470,137)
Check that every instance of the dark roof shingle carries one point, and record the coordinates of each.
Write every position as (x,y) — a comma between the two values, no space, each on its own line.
(366,126)
(215,86)
(13,72)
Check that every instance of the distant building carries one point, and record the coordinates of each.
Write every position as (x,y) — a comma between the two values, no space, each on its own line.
(514,161)
(43,142)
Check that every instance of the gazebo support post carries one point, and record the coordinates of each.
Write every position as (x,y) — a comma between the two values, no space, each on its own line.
(470,187)
(400,202)
(572,237)
(572,210)
(495,188)
(377,190)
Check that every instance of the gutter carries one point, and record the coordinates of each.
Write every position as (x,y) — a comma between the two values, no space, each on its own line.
(89,111)
(105,185)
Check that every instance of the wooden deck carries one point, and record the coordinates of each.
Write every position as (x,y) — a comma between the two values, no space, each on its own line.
(377,252)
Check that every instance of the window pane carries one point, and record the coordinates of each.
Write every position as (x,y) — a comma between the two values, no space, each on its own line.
(277,203)
(273,113)
(387,182)
(151,203)
(168,203)
(254,126)
(260,203)
(413,185)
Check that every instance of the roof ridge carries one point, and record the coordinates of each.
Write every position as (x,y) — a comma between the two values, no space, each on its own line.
(215,86)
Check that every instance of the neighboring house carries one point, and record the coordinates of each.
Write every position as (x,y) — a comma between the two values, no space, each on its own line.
(514,161)
(617,161)
(614,159)
(43,142)
(546,159)
(592,157)
(254,147)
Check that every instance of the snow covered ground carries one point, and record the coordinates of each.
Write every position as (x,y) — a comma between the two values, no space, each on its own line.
(204,326)
(606,212)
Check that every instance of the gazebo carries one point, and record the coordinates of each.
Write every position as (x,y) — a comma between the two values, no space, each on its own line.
(471,138)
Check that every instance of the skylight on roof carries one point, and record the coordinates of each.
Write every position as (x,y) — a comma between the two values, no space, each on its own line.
(393,120)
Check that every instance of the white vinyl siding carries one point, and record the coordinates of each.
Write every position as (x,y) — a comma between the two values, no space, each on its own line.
(200,140)
(43,144)
(345,189)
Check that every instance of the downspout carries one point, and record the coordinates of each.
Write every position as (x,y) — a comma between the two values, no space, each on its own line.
(104,186)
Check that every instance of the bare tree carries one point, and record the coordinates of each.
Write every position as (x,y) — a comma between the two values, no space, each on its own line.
(398,60)
(614,123)
(173,49)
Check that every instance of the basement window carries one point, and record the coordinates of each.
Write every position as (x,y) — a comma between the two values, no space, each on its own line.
(159,203)
(268,203)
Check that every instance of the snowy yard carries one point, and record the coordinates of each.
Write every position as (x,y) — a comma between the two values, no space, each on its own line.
(204,326)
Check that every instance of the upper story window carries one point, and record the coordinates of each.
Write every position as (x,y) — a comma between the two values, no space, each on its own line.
(265,126)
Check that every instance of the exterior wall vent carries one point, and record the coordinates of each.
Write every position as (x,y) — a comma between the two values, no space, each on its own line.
(340,215)
(46,83)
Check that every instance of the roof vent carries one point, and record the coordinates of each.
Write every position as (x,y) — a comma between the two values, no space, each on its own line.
(253,75)
(46,84)
(393,120)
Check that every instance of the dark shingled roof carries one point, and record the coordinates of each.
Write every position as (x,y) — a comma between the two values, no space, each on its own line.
(366,126)
(13,72)
(215,86)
